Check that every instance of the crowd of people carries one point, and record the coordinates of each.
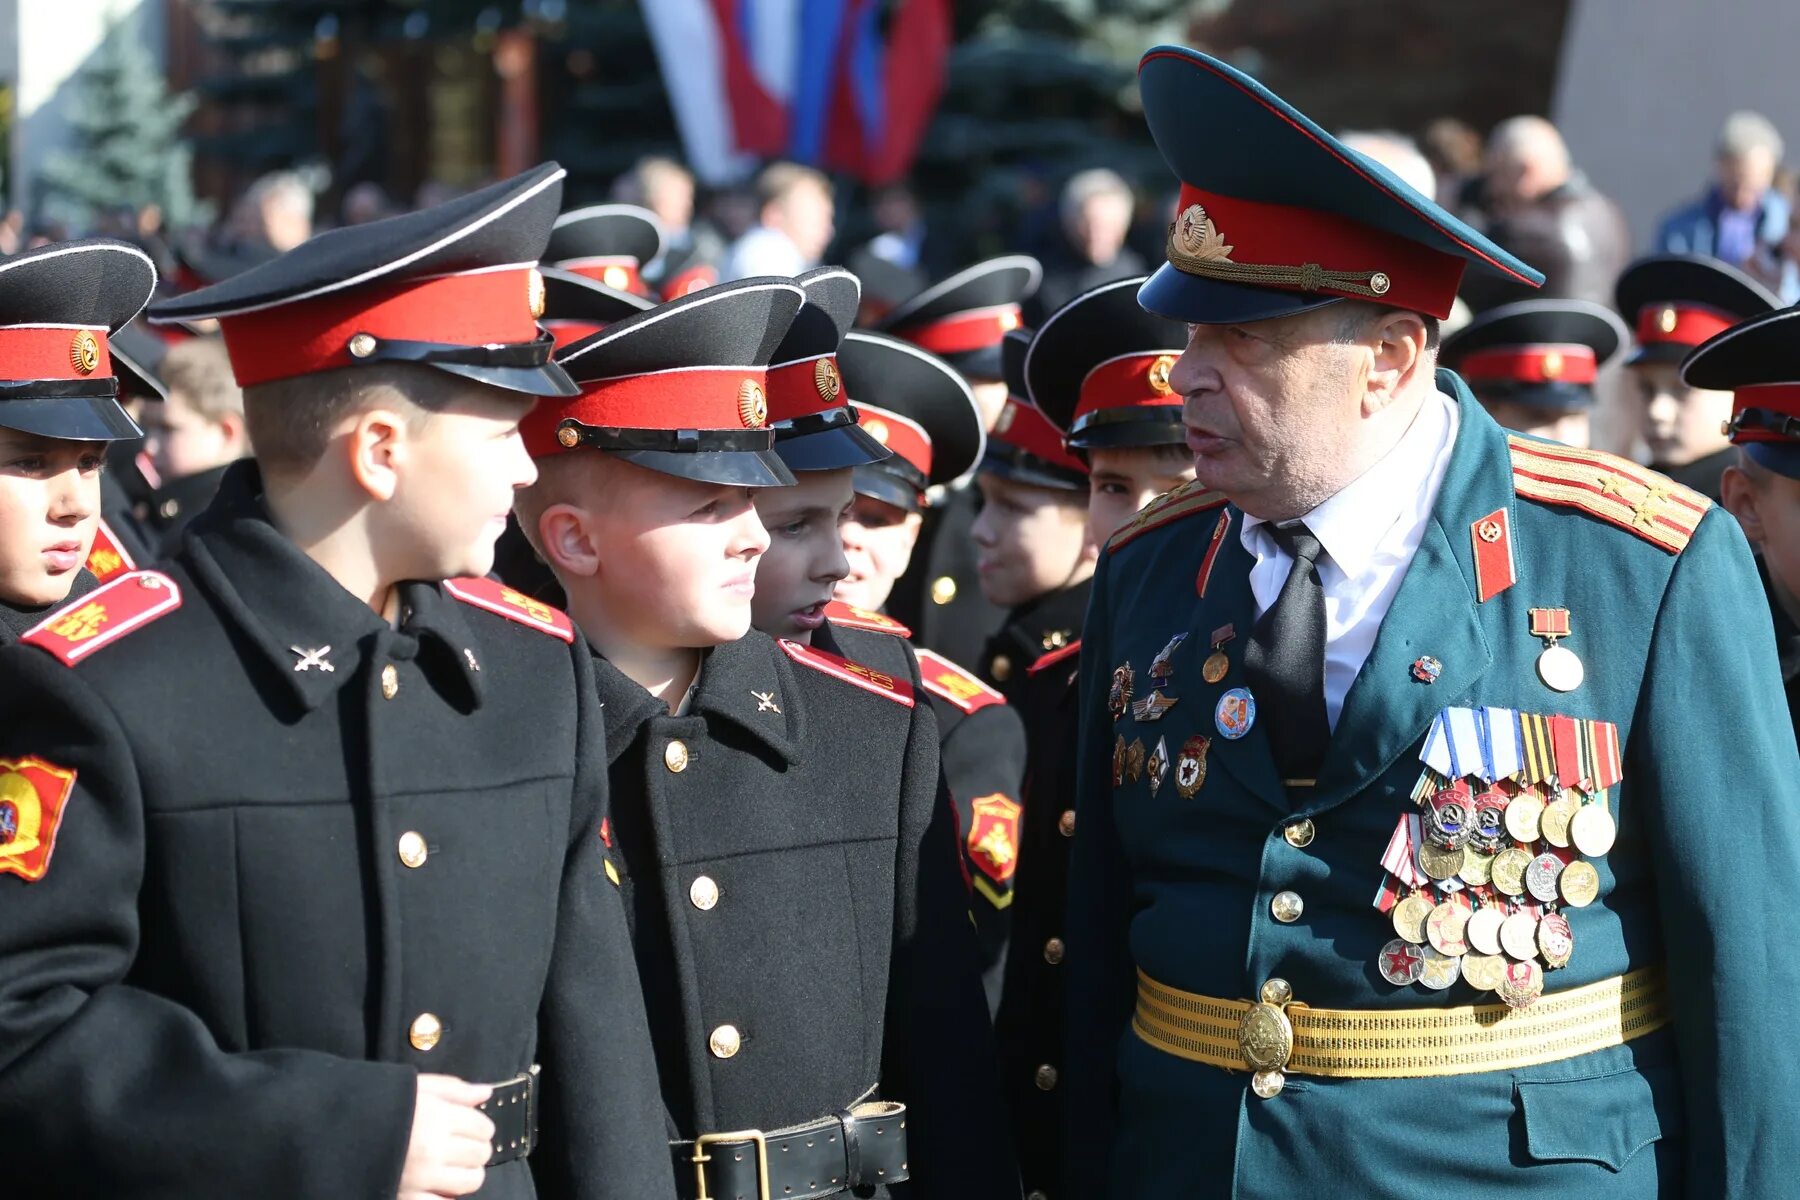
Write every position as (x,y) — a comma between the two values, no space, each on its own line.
(602,701)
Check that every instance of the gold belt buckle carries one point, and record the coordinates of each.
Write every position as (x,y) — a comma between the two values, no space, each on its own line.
(1266,1039)
(701,1158)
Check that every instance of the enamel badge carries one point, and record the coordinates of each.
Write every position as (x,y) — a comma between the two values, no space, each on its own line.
(1235,714)
(1190,766)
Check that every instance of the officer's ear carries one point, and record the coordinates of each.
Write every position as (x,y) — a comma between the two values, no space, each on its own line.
(1738,493)
(1402,346)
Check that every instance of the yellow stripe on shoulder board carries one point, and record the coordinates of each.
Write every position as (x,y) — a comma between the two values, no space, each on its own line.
(1184,501)
(1614,489)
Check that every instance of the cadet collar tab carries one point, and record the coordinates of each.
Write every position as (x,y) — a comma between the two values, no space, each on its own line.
(448,646)
(748,683)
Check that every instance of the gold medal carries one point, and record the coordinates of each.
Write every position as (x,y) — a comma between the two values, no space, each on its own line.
(1580,884)
(1521,984)
(1508,870)
(1410,916)
(1477,868)
(1557,815)
(1441,970)
(1484,971)
(1215,667)
(1593,830)
(1522,816)
(1483,933)
(1518,936)
(1440,863)
(1444,929)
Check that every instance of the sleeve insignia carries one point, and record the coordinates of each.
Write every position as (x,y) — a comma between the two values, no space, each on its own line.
(949,682)
(33,794)
(852,617)
(514,605)
(867,678)
(107,560)
(994,846)
(1184,501)
(1615,490)
(105,615)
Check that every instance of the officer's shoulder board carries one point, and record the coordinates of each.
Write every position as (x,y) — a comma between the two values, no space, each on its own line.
(1171,506)
(949,682)
(851,617)
(1616,490)
(867,678)
(105,615)
(1060,654)
(514,605)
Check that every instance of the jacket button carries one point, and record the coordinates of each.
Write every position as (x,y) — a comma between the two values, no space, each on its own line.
(943,590)
(704,893)
(390,682)
(1053,951)
(413,851)
(1001,668)
(675,756)
(725,1041)
(1037,1195)
(1045,1078)
(426,1031)
(1299,835)
(1065,824)
(1287,907)
(169,509)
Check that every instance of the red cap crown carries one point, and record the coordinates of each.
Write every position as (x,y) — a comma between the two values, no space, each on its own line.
(1023,427)
(1128,381)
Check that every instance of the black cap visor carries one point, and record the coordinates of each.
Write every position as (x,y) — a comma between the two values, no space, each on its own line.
(828,449)
(1144,425)
(881,481)
(1009,462)
(1783,458)
(73,418)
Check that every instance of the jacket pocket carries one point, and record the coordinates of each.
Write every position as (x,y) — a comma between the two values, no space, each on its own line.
(1602,1119)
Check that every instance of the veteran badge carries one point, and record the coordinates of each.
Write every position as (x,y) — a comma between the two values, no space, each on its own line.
(1153,706)
(1158,767)
(1190,766)
(1162,669)
(1235,713)
(1118,696)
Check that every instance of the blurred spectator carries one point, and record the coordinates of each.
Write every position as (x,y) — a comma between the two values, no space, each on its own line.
(276,213)
(1544,210)
(666,188)
(1095,211)
(1742,220)
(193,436)
(1453,149)
(365,202)
(1401,155)
(892,265)
(795,213)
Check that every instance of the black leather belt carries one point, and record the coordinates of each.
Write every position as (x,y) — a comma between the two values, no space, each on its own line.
(513,1108)
(858,1148)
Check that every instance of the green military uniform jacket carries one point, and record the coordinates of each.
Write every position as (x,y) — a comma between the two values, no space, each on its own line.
(1679,654)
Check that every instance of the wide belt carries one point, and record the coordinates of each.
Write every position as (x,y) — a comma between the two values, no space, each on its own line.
(513,1108)
(1281,1036)
(860,1147)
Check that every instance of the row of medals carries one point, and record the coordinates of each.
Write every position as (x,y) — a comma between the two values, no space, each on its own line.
(1499,946)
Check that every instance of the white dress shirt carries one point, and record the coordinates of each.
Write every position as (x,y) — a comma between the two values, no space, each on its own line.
(1370,531)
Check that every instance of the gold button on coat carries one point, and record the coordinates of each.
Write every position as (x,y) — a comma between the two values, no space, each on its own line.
(1287,907)
(413,851)
(943,590)
(725,1041)
(426,1031)
(1045,1078)
(390,682)
(1299,835)
(675,756)
(1053,951)
(1065,824)
(703,892)
(1001,668)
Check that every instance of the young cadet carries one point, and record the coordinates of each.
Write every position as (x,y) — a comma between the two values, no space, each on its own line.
(1098,369)
(962,320)
(608,243)
(1533,363)
(327,832)
(192,437)
(981,740)
(59,416)
(120,541)
(1674,302)
(789,861)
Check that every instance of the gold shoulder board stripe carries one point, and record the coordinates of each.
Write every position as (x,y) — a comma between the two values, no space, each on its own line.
(1616,490)
(1184,501)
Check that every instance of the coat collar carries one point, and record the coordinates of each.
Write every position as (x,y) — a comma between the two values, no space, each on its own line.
(747,684)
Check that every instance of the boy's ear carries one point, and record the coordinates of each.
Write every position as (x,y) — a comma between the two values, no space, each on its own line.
(567,542)
(377,450)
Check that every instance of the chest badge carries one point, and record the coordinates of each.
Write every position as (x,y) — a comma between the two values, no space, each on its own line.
(1153,706)
(1190,766)
(1558,666)
(1217,664)
(1162,667)
(1427,669)
(1235,714)
(313,658)
(1118,696)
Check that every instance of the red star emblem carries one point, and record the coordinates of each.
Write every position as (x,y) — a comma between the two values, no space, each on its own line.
(1401,961)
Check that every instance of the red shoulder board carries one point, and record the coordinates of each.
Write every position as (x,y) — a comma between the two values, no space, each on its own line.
(1060,654)
(32,795)
(107,560)
(867,678)
(1614,489)
(852,617)
(1184,501)
(946,680)
(514,605)
(104,615)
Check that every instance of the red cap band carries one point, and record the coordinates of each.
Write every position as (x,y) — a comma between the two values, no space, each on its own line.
(1531,364)
(904,436)
(1683,326)
(28,352)
(709,398)
(1024,427)
(1783,398)
(690,280)
(1129,381)
(619,273)
(482,308)
(800,389)
(964,331)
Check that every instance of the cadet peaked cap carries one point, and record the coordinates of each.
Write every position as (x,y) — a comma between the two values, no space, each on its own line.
(609,243)
(962,319)
(1027,446)
(576,306)
(1276,216)
(1759,363)
(1674,302)
(454,287)
(918,406)
(1545,353)
(1099,369)
(815,426)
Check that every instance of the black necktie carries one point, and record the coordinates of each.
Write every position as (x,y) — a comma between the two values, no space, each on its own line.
(1285,661)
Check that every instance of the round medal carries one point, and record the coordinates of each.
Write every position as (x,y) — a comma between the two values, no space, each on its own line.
(1410,916)
(1580,884)
(1560,670)
(1401,963)
(1441,970)
(1444,929)
(1447,819)
(1478,868)
(1440,863)
(1593,830)
(1557,815)
(1215,666)
(1522,983)
(1484,971)
(1556,942)
(1518,936)
(1488,828)
(1522,815)
(1483,933)
(1235,714)
(1508,870)
(1541,877)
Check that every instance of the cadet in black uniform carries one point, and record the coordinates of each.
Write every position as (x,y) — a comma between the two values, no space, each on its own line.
(1533,363)
(789,855)
(962,320)
(120,543)
(192,438)
(329,842)
(59,419)
(608,243)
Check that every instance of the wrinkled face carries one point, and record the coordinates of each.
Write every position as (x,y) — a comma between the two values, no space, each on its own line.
(181,442)
(1568,426)
(1031,540)
(49,510)
(456,473)
(1122,480)
(1681,424)
(805,560)
(878,540)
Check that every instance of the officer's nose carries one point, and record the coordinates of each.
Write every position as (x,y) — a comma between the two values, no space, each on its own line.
(1197,370)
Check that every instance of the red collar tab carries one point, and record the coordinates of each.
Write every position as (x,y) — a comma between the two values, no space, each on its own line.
(903,435)
(480,308)
(1531,364)
(32,352)
(852,617)
(1682,325)
(1129,381)
(1296,249)
(962,332)
(804,388)
(700,398)
(618,271)
(1780,399)
(1025,428)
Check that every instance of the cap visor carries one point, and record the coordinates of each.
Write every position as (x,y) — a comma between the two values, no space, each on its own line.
(1031,470)
(1551,397)
(73,418)
(1659,352)
(877,483)
(547,380)
(1156,426)
(1783,458)
(1181,297)
(741,468)
(830,449)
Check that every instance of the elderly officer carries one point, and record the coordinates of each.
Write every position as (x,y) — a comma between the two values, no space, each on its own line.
(1430,883)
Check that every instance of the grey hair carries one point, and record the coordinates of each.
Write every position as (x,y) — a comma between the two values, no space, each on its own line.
(1745,131)
(1085,185)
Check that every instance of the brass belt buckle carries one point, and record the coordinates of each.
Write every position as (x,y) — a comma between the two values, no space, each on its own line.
(701,1158)
(1266,1039)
